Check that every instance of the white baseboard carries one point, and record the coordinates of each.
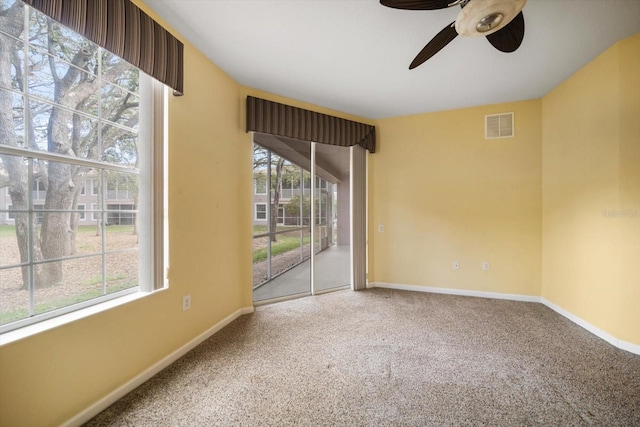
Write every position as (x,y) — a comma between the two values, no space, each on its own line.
(146,375)
(450,291)
(621,344)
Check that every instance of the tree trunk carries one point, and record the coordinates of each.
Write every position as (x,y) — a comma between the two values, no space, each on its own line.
(56,233)
(276,199)
(73,222)
(16,169)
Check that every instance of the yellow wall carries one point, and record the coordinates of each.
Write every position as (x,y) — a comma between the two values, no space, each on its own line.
(443,193)
(591,192)
(49,378)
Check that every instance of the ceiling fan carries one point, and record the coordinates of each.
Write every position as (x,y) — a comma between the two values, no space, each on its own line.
(500,21)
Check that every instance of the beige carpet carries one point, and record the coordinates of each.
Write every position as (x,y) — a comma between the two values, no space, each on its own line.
(392,358)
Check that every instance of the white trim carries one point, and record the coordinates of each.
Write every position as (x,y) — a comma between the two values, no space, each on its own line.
(621,344)
(148,373)
(450,291)
(72,316)
(312,243)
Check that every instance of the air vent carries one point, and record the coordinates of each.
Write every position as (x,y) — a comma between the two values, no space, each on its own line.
(498,126)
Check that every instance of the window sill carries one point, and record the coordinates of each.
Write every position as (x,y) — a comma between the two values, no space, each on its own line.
(46,325)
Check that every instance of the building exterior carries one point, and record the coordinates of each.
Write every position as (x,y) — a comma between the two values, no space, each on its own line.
(120,204)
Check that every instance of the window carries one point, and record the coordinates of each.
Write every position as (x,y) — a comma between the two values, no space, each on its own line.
(39,190)
(118,214)
(280,214)
(77,115)
(94,212)
(39,216)
(260,184)
(261,212)
(95,187)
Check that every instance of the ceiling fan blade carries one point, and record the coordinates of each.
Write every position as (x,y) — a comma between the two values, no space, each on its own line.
(438,42)
(509,38)
(419,4)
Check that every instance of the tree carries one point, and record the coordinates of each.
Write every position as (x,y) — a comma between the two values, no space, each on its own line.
(77,80)
(15,170)
(263,161)
(292,208)
(276,187)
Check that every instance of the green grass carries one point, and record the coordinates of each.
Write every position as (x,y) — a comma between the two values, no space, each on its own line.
(7,231)
(87,229)
(98,279)
(23,313)
(284,244)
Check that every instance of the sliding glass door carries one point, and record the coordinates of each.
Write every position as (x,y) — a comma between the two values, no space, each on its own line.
(332,254)
(281,226)
(297,219)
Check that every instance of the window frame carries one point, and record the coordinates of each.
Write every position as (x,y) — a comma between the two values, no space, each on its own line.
(82,214)
(255,216)
(153,239)
(94,212)
(95,184)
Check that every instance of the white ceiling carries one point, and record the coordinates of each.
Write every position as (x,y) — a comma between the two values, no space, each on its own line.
(353,55)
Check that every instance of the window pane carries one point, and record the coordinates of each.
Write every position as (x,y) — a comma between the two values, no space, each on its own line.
(119,146)
(119,106)
(14,79)
(88,240)
(14,297)
(261,211)
(95,186)
(67,43)
(15,136)
(41,81)
(82,282)
(122,188)
(122,271)
(79,220)
(120,236)
(118,71)
(9,253)
(289,250)
(75,133)
(260,182)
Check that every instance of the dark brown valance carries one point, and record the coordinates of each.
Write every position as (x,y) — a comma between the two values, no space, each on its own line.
(122,28)
(284,120)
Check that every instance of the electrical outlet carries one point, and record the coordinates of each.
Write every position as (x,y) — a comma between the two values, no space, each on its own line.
(380,228)
(486,266)
(456,265)
(186,302)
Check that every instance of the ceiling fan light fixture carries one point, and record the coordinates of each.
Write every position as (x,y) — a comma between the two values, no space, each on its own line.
(479,18)
(489,22)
